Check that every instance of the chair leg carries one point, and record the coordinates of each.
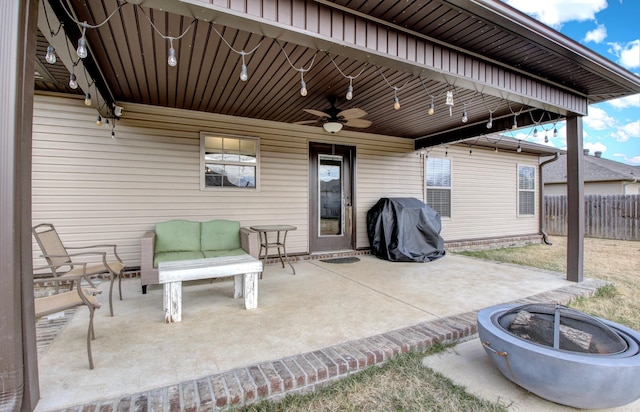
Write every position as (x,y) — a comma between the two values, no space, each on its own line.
(90,335)
(120,275)
(111,294)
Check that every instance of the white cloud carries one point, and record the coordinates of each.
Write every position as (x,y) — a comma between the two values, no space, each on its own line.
(628,54)
(625,102)
(596,35)
(635,160)
(556,12)
(595,147)
(598,119)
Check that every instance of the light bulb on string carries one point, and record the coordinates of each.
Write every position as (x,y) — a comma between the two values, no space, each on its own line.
(349,95)
(470,152)
(244,76)
(495,149)
(465,118)
(515,122)
(490,122)
(546,138)
(432,108)
(172,60)
(396,101)
(87,99)
(51,55)
(81,51)
(99,120)
(535,132)
(73,83)
(519,149)
(555,132)
(303,88)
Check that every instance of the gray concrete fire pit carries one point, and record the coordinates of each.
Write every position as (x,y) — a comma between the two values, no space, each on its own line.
(563,355)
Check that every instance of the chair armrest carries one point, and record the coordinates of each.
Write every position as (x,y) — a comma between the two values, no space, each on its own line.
(109,246)
(148,273)
(249,241)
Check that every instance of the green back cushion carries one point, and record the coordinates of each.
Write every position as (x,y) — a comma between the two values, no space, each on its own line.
(220,235)
(177,235)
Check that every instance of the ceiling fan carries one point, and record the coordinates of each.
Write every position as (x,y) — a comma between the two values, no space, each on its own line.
(333,119)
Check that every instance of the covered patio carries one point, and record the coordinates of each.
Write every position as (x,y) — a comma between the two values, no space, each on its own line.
(325,322)
(177,68)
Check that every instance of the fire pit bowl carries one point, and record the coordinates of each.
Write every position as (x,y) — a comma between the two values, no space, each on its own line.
(583,362)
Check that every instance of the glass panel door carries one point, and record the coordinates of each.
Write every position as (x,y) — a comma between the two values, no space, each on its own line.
(330,205)
(331,225)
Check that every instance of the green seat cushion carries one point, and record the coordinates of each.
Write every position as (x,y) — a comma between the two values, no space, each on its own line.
(220,235)
(221,253)
(177,236)
(174,256)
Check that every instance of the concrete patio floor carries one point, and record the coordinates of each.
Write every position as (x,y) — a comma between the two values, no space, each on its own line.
(325,322)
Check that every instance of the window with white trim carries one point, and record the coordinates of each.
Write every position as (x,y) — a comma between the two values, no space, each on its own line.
(526,190)
(438,181)
(229,161)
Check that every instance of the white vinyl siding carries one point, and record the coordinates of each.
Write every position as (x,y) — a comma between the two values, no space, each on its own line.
(96,189)
(484,198)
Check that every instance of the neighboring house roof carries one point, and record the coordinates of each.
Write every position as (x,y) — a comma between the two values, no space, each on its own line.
(596,169)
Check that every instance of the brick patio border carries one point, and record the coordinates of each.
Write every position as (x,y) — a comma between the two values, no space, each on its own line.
(308,371)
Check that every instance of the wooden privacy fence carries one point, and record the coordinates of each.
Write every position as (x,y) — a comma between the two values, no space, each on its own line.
(608,217)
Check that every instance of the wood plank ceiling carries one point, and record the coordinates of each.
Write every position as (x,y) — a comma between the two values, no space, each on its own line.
(132,57)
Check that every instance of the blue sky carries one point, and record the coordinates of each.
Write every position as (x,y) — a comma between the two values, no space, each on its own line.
(612,29)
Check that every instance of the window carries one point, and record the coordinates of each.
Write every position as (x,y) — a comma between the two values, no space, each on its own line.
(439,185)
(526,190)
(229,161)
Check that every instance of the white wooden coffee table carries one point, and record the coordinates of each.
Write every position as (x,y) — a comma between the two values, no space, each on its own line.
(244,268)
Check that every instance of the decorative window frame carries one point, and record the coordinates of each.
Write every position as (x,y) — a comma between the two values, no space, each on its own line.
(520,190)
(449,188)
(203,161)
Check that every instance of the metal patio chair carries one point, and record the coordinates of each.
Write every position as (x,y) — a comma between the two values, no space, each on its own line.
(86,262)
(59,302)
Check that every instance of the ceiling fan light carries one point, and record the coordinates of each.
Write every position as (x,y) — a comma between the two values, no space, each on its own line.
(332,127)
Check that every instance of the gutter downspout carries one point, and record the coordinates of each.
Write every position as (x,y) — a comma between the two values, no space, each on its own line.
(545,236)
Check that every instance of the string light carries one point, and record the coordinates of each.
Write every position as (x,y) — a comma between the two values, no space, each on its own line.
(396,101)
(87,99)
(81,51)
(490,122)
(349,94)
(465,118)
(51,55)
(172,60)
(303,85)
(301,70)
(432,108)
(546,138)
(495,149)
(470,152)
(73,83)
(515,122)
(535,132)
(99,120)
(519,149)
(555,132)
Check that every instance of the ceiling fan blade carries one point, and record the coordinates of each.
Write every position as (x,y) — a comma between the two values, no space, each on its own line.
(316,112)
(353,113)
(358,123)
(306,122)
